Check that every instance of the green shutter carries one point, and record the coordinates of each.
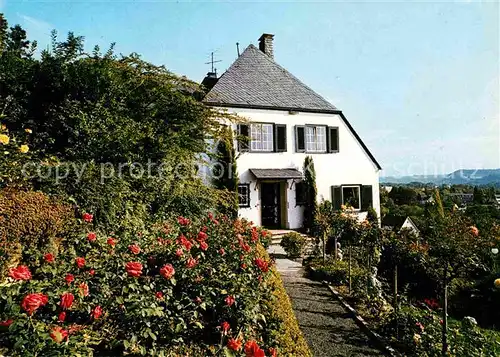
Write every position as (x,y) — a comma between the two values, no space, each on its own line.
(280,138)
(366,197)
(336,197)
(243,139)
(333,139)
(300,138)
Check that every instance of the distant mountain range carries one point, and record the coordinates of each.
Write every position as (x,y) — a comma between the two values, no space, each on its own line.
(475,177)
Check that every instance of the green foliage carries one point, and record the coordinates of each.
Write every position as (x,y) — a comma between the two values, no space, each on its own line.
(311,192)
(226,176)
(116,136)
(419,332)
(293,243)
(135,318)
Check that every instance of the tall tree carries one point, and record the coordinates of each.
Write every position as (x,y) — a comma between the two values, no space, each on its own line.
(226,175)
(311,192)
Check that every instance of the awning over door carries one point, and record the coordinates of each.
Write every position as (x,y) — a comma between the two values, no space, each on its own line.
(276,174)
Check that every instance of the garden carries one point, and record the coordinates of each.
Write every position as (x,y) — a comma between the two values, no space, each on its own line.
(110,241)
(435,293)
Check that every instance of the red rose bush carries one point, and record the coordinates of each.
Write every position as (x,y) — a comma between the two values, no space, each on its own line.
(191,282)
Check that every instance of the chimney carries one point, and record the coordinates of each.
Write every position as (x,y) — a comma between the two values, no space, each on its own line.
(266,44)
(210,80)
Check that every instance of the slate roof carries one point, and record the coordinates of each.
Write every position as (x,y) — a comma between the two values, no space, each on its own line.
(276,173)
(255,80)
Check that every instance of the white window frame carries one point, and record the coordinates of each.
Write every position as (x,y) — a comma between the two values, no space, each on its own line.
(315,142)
(359,195)
(260,139)
(247,203)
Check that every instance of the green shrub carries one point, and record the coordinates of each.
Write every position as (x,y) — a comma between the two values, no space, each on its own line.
(30,220)
(293,243)
(222,274)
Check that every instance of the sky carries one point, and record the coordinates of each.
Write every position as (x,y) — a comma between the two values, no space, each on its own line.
(419,81)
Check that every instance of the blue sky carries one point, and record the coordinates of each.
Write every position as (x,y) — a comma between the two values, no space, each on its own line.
(418,81)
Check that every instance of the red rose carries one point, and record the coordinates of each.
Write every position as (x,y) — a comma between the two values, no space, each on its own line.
(183,221)
(22,272)
(83,289)
(66,301)
(111,241)
(167,271)
(179,252)
(80,262)
(133,269)
(159,295)
(202,236)
(230,300)
(6,323)
(91,236)
(198,300)
(204,229)
(191,263)
(134,248)
(233,344)
(273,352)
(58,334)
(243,266)
(185,242)
(262,264)
(225,327)
(216,222)
(252,349)
(49,258)
(474,231)
(96,313)
(210,215)
(87,217)
(62,316)
(92,272)
(69,278)
(32,302)
(222,251)
(203,246)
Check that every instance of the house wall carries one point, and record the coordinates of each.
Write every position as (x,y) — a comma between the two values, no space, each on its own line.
(351,165)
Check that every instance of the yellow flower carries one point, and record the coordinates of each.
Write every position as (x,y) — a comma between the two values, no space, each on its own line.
(497,283)
(24,149)
(29,131)
(4,127)
(4,139)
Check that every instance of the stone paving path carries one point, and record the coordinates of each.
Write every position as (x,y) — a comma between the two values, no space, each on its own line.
(326,325)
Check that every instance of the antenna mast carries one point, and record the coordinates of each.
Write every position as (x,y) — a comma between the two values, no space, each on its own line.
(212,62)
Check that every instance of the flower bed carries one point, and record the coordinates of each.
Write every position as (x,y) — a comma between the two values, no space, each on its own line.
(186,288)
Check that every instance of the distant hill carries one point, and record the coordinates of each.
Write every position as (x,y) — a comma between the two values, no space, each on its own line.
(474,177)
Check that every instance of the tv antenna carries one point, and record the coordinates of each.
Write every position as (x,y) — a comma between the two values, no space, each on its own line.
(212,62)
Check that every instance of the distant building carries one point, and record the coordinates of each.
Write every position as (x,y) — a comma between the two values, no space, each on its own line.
(462,199)
(395,223)
(387,189)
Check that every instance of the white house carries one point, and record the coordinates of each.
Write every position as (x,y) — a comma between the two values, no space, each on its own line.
(286,122)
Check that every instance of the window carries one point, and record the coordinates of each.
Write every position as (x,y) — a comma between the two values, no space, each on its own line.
(244,195)
(359,197)
(261,137)
(315,139)
(280,137)
(333,139)
(300,194)
(351,196)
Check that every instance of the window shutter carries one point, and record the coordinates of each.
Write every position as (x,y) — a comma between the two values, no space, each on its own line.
(366,197)
(243,140)
(280,138)
(333,139)
(300,138)
(336,197)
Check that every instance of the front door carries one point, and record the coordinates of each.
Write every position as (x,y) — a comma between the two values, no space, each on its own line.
(271,204)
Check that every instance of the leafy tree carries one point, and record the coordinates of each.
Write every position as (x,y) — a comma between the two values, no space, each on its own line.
(311,193)
(135,129)
(226,177)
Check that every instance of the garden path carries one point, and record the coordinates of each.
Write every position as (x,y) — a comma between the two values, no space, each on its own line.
(327,326)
